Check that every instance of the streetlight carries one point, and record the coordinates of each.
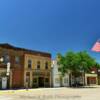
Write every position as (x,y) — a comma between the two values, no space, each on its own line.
(1,59)
(93,72)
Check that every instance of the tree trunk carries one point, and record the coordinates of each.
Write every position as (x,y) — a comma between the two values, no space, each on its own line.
(70,78)
(84,77)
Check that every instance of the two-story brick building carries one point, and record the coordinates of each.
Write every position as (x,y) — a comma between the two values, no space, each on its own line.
(28,67)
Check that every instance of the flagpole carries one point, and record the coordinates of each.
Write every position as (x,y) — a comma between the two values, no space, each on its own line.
(96,48)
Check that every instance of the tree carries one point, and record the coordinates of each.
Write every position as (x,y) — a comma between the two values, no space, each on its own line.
(62,64)
(86,62)
(75,63)
(97,65)
(68,62)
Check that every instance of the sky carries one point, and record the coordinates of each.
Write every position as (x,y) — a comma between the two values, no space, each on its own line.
(51,25)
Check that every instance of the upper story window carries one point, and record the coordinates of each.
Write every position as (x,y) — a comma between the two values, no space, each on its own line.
(38,65)
(17,59)
(6,57)
(29,63)
(46,65)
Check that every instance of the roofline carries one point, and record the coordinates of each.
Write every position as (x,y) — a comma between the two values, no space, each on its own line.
(26,51)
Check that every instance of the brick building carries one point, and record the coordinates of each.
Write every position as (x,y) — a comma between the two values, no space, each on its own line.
(28,67)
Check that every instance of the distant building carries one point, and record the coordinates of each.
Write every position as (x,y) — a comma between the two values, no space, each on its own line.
(29,68)
(83,79)
(57,79)
(92,77)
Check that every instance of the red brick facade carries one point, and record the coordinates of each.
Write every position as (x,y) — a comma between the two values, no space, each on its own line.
(16,78)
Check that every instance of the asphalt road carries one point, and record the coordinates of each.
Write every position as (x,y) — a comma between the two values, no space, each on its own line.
(92,93)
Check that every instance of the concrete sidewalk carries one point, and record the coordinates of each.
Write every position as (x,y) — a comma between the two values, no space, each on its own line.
(43,89)
(63,93)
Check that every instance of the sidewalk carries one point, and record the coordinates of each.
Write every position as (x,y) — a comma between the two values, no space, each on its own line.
(14,91)
(41,89)
(92,86)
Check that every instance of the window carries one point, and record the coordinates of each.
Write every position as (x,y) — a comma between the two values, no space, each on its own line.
(27,73)
(46,80)
(29,63)
(46,65)
(65,80)
(34,80)
(6,58)
(57,80)
(38,65)
(17,60)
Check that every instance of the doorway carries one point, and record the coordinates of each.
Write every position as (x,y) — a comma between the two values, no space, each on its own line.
(41,82)
(3,83)
(0,83)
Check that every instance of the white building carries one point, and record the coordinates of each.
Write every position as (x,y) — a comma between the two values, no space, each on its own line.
(57,79)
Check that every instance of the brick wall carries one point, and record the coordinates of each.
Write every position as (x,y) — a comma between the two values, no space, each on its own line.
(17,69)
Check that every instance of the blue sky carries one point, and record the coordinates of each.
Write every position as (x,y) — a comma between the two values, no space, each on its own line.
(51,25)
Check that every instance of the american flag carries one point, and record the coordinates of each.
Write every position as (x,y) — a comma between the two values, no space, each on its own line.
(96,46)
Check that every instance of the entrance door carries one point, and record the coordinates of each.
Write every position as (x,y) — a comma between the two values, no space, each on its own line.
(41,82)
(91,80)
(0,83)
(4,83)
(88,82)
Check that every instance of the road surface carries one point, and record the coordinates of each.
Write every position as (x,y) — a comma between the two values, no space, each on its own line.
(92,93)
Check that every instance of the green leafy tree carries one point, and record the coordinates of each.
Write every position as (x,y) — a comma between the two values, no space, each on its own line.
(97,65)
(86,62)
(76,63)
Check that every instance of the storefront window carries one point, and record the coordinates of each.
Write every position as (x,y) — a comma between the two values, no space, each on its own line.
(46,80)
(65,80)
(34,80)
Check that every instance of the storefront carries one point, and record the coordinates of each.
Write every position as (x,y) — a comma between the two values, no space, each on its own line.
(91,79)
(35,79)
(3,80)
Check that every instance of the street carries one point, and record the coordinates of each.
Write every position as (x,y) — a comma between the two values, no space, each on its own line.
(92,93)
